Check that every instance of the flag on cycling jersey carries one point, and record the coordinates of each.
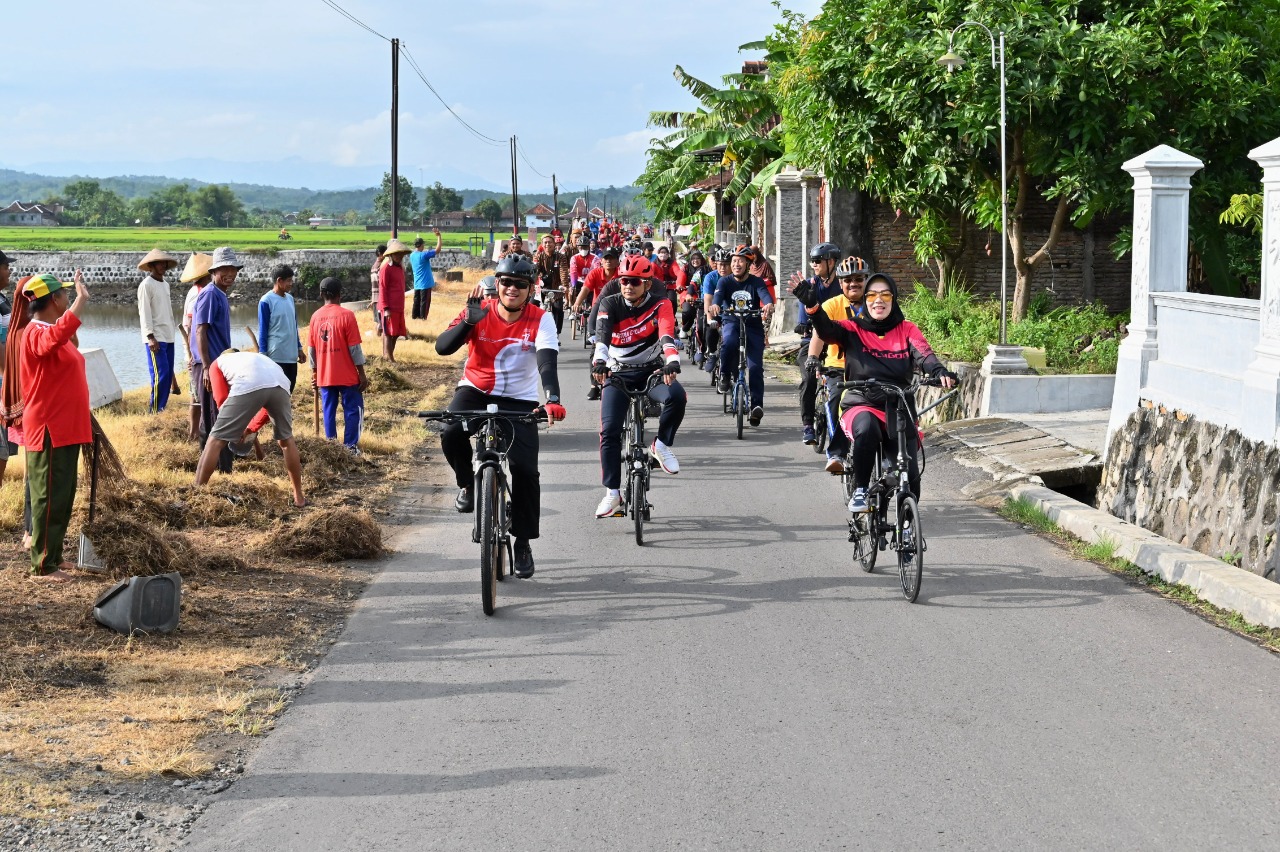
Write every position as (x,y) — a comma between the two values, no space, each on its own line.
(503,356)
(636,335)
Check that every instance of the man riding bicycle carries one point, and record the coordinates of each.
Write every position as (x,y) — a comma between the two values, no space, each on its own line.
(710,327)
(512,344)
(635,338)
(822,259)
(740,280)
(580,264)
(669,273)
(879,343)
(592,287)
(851,275)
(553,273)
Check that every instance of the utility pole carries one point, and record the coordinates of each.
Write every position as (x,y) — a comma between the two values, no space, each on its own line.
(515,192)
(395,137)
(555,201)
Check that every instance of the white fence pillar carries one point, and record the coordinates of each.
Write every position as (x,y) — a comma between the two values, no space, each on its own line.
(1161,203)
(1260,419)
(788,242)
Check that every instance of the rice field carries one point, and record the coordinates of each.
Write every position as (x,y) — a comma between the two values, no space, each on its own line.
(198,239)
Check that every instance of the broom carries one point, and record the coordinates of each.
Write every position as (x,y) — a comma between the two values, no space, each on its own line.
(102,454)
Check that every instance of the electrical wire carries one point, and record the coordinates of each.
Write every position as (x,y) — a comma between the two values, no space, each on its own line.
(520,151)
(488,140)
(353,19)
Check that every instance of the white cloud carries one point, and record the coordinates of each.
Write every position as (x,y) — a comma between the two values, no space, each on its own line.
(626,145)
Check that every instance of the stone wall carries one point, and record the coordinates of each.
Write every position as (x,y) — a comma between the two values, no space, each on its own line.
(114,276)
(1202,485)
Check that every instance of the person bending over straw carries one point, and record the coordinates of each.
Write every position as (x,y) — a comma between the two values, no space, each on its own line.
(243,384)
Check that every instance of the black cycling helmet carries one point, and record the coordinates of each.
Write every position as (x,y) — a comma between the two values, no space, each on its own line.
(516,266)
(825,251)
(488,287)
(584,241)
(851,266)
(721,255)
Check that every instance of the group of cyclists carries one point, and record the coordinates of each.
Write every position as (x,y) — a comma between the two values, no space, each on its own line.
(641,308)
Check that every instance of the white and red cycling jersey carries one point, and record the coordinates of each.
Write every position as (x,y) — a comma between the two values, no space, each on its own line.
(580,265)
(503,356)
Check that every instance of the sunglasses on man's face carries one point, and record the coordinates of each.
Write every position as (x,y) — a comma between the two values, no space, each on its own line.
(517,283)
(630,282)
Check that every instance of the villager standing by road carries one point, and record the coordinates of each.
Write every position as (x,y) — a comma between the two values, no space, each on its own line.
(390,303)
(278,325)
(212,323)
(373,287)
(337,365)
(6,319)
(244,383)
(423,279)
(195,273)
(155,314)
(56,416)
(11,404)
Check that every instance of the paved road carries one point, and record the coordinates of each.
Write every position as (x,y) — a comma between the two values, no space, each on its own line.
(738,684)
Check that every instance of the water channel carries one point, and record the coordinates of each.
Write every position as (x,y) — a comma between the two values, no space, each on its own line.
(114,328)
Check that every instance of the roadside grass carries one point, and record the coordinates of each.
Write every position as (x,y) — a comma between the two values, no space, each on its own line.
(204,239)
(79,702)
(1103,553)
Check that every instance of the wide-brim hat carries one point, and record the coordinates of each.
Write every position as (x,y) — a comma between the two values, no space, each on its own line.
(224,256)
(197,267)
(39,286)
(158,256)
(394,246)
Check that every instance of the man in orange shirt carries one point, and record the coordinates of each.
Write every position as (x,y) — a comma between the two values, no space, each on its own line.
(337,365)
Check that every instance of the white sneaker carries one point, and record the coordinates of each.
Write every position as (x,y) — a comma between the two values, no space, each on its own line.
(858,502)
(665,456)
(610,506)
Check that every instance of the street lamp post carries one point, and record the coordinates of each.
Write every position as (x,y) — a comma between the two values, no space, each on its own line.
(951,61)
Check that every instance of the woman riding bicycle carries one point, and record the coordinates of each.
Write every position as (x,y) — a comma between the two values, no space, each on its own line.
(879,343)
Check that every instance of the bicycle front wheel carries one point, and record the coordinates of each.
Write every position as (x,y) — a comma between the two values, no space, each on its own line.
(638,500)
(910,547)
(740,405)
(491,548)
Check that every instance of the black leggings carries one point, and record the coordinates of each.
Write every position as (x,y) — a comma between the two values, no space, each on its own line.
(868,436)
(613,414)
(526,491)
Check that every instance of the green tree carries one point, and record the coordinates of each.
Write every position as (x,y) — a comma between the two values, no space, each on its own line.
(441,199)
(490,209)
(1090,84)
(89,204)
(408,200)
(218,206)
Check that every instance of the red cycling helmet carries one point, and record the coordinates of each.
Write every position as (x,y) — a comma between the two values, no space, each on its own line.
(636,266)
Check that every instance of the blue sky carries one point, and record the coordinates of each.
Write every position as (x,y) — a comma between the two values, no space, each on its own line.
(289,92)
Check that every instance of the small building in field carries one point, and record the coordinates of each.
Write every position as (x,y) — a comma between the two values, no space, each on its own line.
(539,216)
(29,215)
(322,222)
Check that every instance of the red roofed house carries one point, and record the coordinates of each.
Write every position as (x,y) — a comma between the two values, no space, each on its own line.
(539,216)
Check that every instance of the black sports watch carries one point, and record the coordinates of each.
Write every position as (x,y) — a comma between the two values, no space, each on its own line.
(552,398)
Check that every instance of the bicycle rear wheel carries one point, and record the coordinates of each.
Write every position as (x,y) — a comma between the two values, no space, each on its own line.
(820,426)
(637,498)
(863,537)
(910,547)
(491,548)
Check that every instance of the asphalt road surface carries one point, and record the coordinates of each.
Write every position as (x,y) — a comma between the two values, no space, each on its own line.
(738,683)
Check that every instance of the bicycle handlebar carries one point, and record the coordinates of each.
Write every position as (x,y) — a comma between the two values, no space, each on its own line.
(868,384)
(538,415)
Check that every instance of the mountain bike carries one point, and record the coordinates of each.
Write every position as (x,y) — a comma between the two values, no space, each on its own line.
(820,402)
(491,528)
(637,461)
(738,400)
(890,489)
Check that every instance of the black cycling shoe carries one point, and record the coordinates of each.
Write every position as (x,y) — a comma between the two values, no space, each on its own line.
(594,392)
(464,502)
(523,559)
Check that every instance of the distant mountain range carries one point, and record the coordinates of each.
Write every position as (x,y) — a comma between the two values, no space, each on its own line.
(29,186)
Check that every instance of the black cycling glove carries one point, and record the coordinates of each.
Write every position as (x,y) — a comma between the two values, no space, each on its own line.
(812,363)
(806,294)
(475,313)
(670,368)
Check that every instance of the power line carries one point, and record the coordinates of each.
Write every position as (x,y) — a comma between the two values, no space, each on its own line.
(520,150)
(488,140)
(353,19)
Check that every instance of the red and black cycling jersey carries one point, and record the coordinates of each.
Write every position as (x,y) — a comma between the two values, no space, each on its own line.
(636,335)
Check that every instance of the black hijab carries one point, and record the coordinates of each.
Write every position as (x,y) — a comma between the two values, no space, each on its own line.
(889,323)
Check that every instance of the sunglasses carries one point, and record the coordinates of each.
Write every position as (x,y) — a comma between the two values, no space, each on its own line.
(855,279)
(518,283)
(879,296)
(630,282)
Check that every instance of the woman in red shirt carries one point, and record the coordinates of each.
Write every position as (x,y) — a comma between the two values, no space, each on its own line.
(391,297)
(55,416)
